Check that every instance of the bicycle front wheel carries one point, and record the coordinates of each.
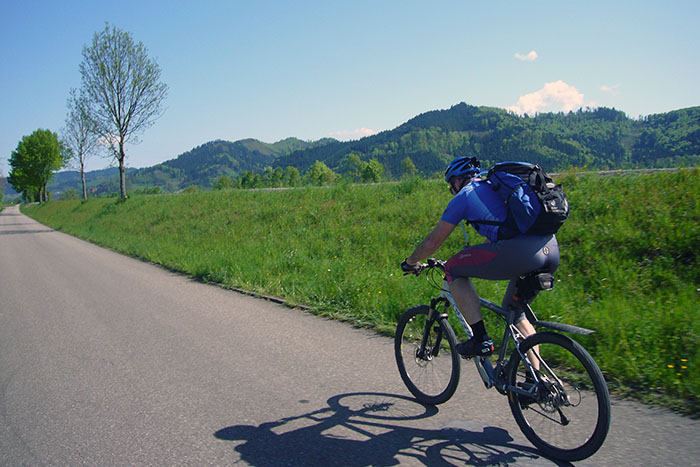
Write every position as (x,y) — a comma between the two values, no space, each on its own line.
(425,353)
(568,415)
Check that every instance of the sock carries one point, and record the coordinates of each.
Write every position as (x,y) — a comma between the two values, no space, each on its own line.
(479,330)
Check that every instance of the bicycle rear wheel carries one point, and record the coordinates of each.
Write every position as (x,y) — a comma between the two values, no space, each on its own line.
(569,416)
(431,372)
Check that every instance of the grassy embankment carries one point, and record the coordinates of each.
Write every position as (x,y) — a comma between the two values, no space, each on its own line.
(629,259)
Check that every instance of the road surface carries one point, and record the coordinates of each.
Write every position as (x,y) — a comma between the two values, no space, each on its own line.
(107,360)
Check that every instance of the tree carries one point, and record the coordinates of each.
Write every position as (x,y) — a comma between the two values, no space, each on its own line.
(250,179)
(292,177)
(272,178)
(78,136)
(319,174)
(34,162)
(69,195)
(123,91)
(354,166)
(408,168)
(224,182)
(373,172)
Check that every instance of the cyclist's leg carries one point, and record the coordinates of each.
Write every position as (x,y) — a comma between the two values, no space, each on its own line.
(545,258)
(520,321)
(470,262)
(466,298)
(502,260)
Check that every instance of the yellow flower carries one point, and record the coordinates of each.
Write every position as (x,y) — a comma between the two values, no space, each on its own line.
(670,366)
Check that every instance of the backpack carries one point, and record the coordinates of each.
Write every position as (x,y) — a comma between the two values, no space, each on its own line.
(536,205)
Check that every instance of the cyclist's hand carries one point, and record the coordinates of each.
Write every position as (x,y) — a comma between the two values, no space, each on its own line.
(409,269)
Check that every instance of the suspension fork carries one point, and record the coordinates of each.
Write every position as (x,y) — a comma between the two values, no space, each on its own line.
(436,317)
(433,317)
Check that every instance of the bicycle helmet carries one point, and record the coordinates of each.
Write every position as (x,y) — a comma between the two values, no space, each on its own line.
(462,166)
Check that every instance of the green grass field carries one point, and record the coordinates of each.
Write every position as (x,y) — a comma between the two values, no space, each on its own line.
(629,259)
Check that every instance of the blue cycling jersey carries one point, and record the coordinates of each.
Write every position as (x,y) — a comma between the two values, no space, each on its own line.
(478,201)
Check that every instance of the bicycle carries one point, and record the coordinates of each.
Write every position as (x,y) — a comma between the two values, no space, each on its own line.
(556,392)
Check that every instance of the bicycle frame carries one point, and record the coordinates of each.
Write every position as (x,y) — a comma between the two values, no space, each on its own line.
(494,376)
(483,365)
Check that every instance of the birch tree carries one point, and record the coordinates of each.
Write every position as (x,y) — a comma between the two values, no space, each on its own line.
(124,94)
(78,135)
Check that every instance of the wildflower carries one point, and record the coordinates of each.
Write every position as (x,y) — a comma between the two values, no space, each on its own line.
(670,366)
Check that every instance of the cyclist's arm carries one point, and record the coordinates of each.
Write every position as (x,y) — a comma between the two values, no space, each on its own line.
(431,243)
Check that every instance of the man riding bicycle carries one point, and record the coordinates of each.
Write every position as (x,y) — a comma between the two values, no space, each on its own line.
(506,253)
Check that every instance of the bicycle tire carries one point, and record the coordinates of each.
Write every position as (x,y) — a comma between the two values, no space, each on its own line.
(433,377)
(572,427)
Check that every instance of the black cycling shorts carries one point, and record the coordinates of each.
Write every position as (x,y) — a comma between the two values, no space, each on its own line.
(506,260)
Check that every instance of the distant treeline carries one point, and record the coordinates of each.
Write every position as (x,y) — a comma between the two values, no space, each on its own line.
(597,139)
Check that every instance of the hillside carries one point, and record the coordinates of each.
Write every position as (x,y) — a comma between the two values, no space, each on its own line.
(602,138)
(598,139)
(204,164)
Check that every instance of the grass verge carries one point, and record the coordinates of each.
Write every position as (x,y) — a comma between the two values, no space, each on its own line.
(629,259)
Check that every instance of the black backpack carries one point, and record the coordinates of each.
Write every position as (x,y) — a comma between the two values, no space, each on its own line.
(536,205)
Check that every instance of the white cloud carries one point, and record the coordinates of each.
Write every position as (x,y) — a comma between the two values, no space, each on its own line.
(614,89)
(553,97)
(357,133)
(530,57)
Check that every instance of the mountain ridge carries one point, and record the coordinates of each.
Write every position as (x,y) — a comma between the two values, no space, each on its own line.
(601,138)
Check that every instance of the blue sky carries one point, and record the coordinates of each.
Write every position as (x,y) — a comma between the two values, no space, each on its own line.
(312,69)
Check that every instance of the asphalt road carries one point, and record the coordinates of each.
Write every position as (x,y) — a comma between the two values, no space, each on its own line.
(107,360)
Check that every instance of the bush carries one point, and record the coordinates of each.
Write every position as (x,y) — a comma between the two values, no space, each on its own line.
(70,194)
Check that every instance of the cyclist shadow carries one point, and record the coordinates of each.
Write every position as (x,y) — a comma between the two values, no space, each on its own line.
(367,428)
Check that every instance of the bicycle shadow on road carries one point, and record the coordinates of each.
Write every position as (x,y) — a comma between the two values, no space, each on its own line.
(359,429)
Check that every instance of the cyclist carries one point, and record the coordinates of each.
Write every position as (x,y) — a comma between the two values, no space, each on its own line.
(506,254)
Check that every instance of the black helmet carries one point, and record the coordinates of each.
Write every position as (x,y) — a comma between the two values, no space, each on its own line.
(462,166)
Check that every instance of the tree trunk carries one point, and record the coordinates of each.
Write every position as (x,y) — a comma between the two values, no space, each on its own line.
(82,177)
(122,171)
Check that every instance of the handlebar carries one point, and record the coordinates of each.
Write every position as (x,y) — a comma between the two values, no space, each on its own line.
(431,264)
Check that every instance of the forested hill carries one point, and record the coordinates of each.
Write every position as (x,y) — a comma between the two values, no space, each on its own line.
(204,164)
(602,138)
(598,139)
